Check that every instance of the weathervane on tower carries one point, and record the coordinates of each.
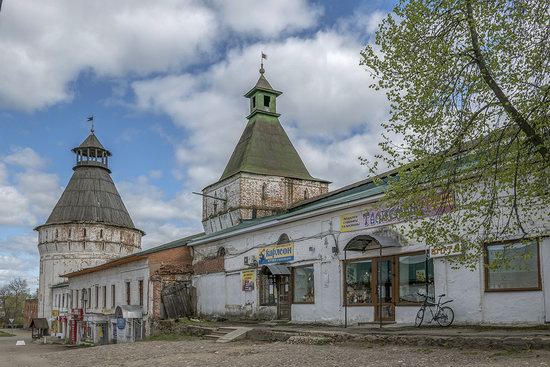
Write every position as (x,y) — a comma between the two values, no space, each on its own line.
(264,56)
(91,119)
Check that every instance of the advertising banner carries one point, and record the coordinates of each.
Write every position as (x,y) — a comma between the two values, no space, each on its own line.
(276,254)
(247,278)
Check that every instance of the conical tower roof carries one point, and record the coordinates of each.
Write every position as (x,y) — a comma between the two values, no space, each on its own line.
(264,147)
(91,195)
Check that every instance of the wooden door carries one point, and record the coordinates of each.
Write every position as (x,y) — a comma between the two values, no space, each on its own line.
(384,292)
(283,297)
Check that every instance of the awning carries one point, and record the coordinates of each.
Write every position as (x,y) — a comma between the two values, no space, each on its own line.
(129,312)
(278,269)
(39,323)
(373,241)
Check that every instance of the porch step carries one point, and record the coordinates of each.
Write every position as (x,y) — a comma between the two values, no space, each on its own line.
(228,334)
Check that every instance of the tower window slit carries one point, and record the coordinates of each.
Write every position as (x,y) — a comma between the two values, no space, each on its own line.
(267,100)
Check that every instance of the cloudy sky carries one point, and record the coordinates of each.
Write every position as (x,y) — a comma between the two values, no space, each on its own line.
(164,80)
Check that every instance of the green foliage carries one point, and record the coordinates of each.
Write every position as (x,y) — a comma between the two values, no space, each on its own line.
(12,300)
(469,87)
(3,333)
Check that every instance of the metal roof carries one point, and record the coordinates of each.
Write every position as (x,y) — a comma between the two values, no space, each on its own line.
(263,85)
(264,148)
(91,142)
(91,197)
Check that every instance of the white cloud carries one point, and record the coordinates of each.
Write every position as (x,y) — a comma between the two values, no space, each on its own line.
(24,157)
(19,258)
(326,99)
(27,196)
(45,45)
(267,18)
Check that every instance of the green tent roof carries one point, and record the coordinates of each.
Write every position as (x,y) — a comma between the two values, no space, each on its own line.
(265,149)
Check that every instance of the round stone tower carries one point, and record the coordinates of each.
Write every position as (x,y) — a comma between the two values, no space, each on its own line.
(88,226)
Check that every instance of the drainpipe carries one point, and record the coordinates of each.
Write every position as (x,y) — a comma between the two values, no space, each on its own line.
(345,290)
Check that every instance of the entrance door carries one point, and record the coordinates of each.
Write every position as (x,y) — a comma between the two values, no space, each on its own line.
(384,294)
(283,297)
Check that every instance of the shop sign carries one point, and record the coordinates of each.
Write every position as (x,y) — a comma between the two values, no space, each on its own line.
(247,278)
(369,219)
(276,254)
(121,323)
(55,313)
(448,250)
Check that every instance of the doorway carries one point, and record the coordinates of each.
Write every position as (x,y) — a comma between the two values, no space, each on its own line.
(384,298)
(283,297)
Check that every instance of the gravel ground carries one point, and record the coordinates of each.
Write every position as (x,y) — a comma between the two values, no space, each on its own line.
(196,352)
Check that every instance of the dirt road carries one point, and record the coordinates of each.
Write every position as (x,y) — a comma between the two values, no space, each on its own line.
(197,352)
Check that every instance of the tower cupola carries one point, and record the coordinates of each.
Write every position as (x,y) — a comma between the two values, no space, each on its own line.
(263,98)
(92,153)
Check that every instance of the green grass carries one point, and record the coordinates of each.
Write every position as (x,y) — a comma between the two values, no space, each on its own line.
(3,333)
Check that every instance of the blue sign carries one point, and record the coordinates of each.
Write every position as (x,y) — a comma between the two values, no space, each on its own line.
(276,254)
(121,323)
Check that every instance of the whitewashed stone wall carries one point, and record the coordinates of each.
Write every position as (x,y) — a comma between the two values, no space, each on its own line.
(67,248)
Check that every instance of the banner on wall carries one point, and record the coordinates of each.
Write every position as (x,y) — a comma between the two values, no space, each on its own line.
(368,219)
(276,254)
(247,278)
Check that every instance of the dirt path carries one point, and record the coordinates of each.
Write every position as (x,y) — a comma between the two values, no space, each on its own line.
(195,352)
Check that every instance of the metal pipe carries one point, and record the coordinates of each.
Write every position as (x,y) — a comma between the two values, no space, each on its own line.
(345,290)
(379,285)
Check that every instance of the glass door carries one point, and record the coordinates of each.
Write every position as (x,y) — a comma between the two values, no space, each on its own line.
(384,289)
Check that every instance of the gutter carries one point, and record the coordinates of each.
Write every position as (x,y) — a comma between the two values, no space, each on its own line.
(276,222)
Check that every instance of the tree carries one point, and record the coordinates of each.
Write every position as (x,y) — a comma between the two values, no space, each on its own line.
(469,87)
(12,300)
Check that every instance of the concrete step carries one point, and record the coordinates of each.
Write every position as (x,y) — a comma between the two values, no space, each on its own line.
(212,337)
(236,334)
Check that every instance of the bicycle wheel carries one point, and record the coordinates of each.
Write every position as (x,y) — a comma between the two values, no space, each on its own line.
(446,316)
(419,317)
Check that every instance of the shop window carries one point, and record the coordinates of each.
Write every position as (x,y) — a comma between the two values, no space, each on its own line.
(415,274)
(267,290)
(359,282)
(512,266)
(304,291)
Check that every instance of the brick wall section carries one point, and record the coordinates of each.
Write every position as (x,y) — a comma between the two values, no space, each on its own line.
(250,194)
(167,267)
(205,266)
(30,311)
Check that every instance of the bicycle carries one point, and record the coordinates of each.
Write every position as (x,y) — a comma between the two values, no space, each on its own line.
(444,315)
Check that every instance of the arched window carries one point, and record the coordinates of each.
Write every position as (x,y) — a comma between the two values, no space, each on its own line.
(264,191)
(84,231)
(100,233)
(306,194)
(283,239)
(221,252)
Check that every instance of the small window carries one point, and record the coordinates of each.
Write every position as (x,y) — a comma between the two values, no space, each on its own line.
(283,239)
(264,191)
(304,288)
(100,233)
(128,293)
(254,213)
(56,233)
(254,102)
(113,297)
(221,252)
(141,292)
(104,296)
(75,301)
(84,231)
(89,299)
(267,100)
(63,301)
(512,266)
(70,232)
(306,194)
(96,296)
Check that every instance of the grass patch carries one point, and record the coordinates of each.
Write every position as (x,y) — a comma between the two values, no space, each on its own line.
(3,333)
(168,337)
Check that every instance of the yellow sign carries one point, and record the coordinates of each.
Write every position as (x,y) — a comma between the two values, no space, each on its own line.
(248,280)
(55,313)
(276,254)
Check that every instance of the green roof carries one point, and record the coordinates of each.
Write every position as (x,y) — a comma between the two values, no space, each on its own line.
(265,149)
(357,191)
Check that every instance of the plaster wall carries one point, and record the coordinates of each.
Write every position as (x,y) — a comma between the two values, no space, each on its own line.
(314,239)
